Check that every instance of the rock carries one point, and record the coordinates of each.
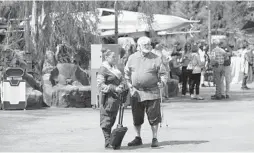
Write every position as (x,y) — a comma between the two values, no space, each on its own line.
(71,96)
(82,76)
(34,99)
(66,71)
(70,88)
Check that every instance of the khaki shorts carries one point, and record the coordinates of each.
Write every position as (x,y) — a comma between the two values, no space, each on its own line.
(152,108)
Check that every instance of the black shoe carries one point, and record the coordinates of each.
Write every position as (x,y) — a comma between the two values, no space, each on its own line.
(227,96)
(203,85)
(216,97)
(136,142)
(155,143)
(223,97)
(245,88)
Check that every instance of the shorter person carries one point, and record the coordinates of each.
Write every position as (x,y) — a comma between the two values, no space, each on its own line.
(110,84)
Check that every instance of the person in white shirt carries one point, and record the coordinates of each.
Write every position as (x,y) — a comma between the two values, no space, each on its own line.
(195,65)
(158,51)
(201,53)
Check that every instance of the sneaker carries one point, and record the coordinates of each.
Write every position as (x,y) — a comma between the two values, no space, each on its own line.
(223,97)
(245,88)
(136,142)
(108,146)
(193,96)
(199,98)
(155,143)
(216,97)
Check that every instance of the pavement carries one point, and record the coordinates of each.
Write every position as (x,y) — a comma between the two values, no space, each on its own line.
(209,125)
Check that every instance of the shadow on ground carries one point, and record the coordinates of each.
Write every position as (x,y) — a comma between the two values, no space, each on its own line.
(165,143)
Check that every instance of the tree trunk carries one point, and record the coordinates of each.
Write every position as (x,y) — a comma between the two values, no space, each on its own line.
(27,37)
(34,28)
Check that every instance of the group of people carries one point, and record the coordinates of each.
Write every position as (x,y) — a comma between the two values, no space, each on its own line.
(221,61)
(188,66)
(145,77)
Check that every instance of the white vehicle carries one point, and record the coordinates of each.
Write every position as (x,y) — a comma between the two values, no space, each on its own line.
(129,23)
(134,22)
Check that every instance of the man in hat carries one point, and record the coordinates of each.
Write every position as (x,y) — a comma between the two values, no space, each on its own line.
(145,75)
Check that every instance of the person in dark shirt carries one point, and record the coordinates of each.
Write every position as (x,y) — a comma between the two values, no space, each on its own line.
(227,69)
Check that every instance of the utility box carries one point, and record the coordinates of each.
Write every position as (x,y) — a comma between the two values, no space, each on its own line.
(13,89)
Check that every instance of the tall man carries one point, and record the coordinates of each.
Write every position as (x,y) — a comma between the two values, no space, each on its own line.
(217,61)
(145,74)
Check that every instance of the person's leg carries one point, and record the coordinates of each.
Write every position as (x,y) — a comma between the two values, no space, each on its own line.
(107,120)
(185,77)
(198,77)
(189,80)
(165,90)
(202,78)
(192,84)
(228,80)
(217,79)
(138,112)
(154,117)
(244,82)
(222,75)
(223,85)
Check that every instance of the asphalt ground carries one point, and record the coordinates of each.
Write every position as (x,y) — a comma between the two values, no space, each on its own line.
(193,125)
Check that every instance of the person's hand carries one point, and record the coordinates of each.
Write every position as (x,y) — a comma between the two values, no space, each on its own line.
(119,89)
(133,92)
(160,84)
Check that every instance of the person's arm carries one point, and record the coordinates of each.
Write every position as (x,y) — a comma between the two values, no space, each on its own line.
(101,78)
(176,64)
(127,73)
(248,58)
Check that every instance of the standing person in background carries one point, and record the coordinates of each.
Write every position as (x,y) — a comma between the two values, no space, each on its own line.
(201,53)
(195,65)
(145,75)
(175,67)
(217,62)
(186,73)
(246,65)
(158,51)
(110,84)
(227,68)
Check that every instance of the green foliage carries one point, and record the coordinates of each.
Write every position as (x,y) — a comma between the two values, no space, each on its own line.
(61,25)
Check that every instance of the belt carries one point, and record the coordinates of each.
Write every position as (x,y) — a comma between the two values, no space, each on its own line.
(146,88)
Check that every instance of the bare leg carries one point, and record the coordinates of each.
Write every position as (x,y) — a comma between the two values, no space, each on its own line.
(155,130)
(138,129)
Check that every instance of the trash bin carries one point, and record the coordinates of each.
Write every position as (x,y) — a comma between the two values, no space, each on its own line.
(13,89)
